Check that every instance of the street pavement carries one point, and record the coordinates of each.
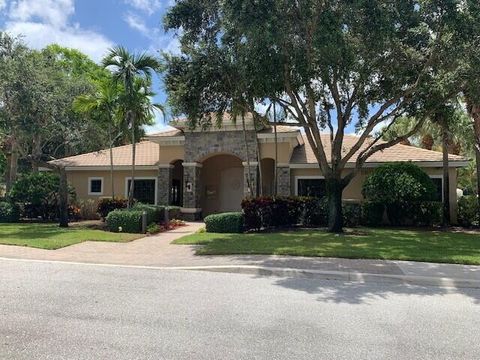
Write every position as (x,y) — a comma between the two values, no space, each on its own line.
(57,310)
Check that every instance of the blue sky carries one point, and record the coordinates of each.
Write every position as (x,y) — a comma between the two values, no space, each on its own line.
(92,26)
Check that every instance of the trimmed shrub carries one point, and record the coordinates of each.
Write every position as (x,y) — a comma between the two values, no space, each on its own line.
(106,205)
(314,212)
(128,221)
(406,192)
(9,212)
(372,213)
(173,212)
(399,182)
(154,213)
(352,214)
(468,211)
(231,222)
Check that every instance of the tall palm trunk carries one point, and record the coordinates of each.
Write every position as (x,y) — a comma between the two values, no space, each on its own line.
(259,160)
(275,168)
(247,153)
(446,176)
(132,181)
(111,158)
(63,194)
(474,112)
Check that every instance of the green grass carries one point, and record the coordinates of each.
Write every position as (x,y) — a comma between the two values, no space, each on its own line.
(364,243)
(50,236)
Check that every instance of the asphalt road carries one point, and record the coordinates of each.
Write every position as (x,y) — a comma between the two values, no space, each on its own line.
(67,311)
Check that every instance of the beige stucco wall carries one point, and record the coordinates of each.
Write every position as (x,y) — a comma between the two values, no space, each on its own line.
(267,150)
(354,190)
(168,154)
(79,180)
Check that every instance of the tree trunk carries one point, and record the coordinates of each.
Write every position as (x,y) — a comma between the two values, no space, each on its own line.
(63,201)
(14,164)
(247,154)
(8,167)
(130,193)
(334,187)
(477,160)
(259,160)
(446,177)
(111,159)
(275,168)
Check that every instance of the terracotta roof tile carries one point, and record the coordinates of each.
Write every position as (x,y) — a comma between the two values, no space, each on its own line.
(147,154)
(304,154)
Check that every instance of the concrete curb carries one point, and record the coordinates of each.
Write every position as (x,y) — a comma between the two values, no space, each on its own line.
(347,276)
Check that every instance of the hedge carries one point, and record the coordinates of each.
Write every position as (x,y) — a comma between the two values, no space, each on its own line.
(128,221)
(468,211)
(154,213)
(9,212)
(231,222)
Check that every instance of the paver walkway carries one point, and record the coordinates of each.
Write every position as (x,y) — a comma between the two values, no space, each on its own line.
(158,251)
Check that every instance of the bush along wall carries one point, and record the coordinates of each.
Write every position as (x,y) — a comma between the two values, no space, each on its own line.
(404,192)
(468,211)
(231,222)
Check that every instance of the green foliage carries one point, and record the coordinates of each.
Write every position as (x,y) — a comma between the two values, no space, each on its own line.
(154,213)
(315,212)
(128,221)
(398,183)
(153,228)
(372,213)
(87,209)
(352,214)
(38,195)
(231,222)
(468,211)
(9,212)
(106,205)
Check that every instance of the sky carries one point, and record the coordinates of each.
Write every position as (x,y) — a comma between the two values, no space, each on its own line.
(93,26)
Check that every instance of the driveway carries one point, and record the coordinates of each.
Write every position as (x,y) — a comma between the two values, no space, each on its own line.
(72,311)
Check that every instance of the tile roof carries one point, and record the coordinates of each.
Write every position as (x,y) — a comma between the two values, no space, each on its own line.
(303,154)
(167,133)
(280,129)
(147,154)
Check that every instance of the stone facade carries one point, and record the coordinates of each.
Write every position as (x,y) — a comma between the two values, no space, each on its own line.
(200,145)
(283,179)
(163,184)
(192,185)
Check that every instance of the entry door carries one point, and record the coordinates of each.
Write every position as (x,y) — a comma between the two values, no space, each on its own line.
(231,189)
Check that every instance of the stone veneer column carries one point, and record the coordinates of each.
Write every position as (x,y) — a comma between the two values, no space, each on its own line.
(253,177)
(283,180)
(191,209)
(164,184)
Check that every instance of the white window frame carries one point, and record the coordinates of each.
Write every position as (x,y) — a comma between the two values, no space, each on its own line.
(142,178)
(443,185)
(306,177)
(90,179)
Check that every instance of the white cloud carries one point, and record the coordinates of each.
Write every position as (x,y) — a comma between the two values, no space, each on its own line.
(3,4)
(43,22)
(137,23)
(147,6)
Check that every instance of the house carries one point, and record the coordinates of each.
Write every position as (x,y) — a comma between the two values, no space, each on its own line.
(209,171)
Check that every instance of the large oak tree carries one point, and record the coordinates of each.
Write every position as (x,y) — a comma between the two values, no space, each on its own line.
(332,65)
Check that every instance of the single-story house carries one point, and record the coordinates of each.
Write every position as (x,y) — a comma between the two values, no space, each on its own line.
(207,171)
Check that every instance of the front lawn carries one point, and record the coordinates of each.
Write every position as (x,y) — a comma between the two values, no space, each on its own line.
(363,243)
(50,236)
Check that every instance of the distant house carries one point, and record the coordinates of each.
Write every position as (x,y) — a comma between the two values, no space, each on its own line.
(206,171)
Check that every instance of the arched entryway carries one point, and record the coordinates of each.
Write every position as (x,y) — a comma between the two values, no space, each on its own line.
(222,182)
(176,189)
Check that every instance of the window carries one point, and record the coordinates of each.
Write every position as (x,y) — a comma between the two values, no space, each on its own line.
(95,186)
(144,190)
(314,187)
(438,182)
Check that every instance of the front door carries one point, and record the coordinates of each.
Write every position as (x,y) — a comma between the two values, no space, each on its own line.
(231,189)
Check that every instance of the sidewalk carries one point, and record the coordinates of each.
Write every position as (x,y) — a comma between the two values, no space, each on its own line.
(156,251)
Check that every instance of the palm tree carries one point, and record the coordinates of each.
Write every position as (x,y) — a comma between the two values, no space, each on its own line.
(126,68)
(105,103)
